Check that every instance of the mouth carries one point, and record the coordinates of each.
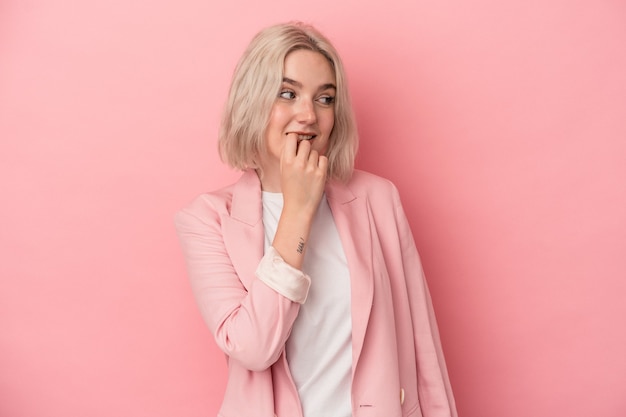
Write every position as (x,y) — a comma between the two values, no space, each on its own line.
(304,136)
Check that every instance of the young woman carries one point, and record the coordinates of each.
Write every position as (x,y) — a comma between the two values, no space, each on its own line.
(305,270)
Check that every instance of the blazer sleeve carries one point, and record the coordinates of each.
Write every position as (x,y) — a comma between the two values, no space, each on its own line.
(250,323)
(434,389)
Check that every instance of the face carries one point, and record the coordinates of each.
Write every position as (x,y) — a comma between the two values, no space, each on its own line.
(305,105)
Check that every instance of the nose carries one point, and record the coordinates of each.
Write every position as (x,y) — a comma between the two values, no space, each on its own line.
(306,112)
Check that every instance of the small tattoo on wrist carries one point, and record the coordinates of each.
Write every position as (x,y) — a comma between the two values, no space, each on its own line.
(301,246)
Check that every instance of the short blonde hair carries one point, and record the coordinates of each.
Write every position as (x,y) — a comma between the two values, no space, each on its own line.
(255,86)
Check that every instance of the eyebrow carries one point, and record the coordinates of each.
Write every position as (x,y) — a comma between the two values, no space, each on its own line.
(299,84)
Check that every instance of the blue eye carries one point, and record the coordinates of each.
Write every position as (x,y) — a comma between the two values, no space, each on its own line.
(287,94)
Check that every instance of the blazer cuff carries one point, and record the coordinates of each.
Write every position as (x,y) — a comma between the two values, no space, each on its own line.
(282,277)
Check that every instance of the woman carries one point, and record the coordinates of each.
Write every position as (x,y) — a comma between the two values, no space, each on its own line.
(305,270)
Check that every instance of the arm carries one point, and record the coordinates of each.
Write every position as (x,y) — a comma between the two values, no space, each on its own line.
(302,179)
(250,324)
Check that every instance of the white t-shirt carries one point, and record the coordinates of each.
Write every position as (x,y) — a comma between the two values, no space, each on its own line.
(319,349)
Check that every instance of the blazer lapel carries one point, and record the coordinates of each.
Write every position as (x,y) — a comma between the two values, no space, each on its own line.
(351,215)
(243,230)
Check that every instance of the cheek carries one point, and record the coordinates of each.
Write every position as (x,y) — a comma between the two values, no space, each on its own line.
(278,118)
(326,124)
(326,121)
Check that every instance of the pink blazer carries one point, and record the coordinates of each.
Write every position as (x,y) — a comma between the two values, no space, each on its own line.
(398,368)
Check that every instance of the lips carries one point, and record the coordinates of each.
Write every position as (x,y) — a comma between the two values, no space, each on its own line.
(304,136)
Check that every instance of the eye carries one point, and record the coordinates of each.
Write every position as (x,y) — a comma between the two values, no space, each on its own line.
(287,94)
(326,100)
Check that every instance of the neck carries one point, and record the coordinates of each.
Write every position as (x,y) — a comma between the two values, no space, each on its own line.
(270,180)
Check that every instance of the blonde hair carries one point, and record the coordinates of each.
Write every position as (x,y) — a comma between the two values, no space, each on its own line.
(255,86)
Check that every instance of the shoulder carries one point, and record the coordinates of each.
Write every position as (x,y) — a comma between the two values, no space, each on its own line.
(380,194)
(366,184)
(382,199)
(239,198)
(207,206)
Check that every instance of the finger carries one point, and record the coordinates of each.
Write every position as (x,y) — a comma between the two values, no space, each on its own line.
(322,163)
(291,144)
(313,158)
(322,166)
(304,149)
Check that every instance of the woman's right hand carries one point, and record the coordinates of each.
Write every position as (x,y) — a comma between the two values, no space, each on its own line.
(303,176)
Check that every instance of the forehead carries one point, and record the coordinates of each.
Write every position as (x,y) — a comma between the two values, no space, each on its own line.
(304,65)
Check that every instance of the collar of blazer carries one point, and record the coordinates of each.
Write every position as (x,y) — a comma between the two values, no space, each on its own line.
(247,207)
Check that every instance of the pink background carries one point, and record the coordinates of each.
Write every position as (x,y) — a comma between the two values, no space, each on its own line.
(502,123)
